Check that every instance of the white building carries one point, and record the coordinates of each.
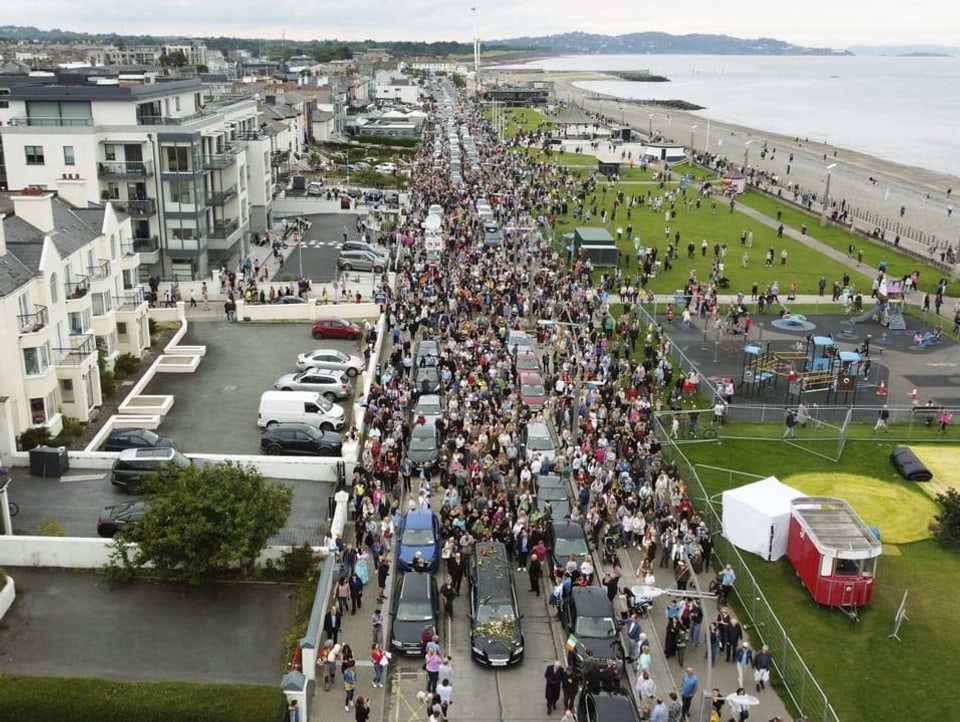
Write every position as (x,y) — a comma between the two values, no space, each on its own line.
(398,90)
(68,289)
(167,153)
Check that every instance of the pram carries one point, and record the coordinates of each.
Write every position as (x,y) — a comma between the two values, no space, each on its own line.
(612,541)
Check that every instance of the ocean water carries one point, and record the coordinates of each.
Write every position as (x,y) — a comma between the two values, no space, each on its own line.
(903,109)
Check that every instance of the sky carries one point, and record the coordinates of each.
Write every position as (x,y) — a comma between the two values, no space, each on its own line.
(820,23)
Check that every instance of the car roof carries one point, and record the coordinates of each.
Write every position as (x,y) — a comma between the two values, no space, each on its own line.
(416,587)
(419,519)
(567,528)
(539,427)
(611,704)
(328,319)
(153,452)
(592,601)
(531,376)
(289,425)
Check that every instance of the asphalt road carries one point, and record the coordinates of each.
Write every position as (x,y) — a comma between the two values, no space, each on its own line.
(68,624)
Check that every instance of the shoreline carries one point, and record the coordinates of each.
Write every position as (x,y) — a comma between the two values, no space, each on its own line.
(873,185)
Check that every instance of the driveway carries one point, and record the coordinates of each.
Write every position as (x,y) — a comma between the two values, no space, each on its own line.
(70,624)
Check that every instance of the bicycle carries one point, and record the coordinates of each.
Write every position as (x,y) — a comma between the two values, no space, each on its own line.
(14,508)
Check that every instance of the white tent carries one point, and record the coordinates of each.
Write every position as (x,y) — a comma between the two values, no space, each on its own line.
(756,517)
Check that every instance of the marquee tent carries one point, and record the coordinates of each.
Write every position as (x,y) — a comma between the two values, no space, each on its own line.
(756,517)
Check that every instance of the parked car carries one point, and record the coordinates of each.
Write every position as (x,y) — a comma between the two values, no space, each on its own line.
(330,359)
(532,391)
(391,199)
(419,533)
(134,466)
(361,261)
(332,327)
(364,246)
(609,705)
(537,438)
(299,438)
(286,300)
(120,439)
(589,616)
(331,384)
(416,606)
(306,407)
(116,516)
(386,168)
(315,188)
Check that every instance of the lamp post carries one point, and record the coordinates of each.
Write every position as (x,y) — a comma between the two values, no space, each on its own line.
(746,155)
(826,195)
(693,129)
(650,126)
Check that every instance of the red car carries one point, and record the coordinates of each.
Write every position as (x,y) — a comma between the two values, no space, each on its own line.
(333,327)
(532,392)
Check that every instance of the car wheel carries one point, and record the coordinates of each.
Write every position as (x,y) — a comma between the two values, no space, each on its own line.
(329,396)
(325,452)
(352,336)
(352,372)
(326,427)
(347,267)
(317,334)
(274,449)
(286,388)
(133,487)
(378,269)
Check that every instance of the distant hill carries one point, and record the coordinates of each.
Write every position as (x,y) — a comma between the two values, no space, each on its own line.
(920,51)
(656,43)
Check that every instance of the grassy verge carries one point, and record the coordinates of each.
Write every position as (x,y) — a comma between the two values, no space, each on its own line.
(99,700)
(853,661)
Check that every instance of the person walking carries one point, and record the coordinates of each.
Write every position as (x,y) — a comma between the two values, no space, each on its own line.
(688,689)
(448,594)
(445,693)
(744,660)
(739,711)
(205,296)
(534,571)
(361,710)
(570,686)
(383,571)
(790,423)
(553,675)
(431,664)
(727,579)
(634,631)
(349,683)
(332,622)
(733,636)
(762,662)
(356,592)
(882,417)
(376,627)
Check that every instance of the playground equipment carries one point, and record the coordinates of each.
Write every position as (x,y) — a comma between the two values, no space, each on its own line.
(815,366)
(889,308)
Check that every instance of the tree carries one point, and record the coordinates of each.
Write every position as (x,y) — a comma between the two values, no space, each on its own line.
(948,529)
(176,59)
(201,522)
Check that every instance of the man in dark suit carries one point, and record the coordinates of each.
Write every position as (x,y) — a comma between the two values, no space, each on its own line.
(332,622)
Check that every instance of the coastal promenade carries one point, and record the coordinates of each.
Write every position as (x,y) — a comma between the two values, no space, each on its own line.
(874,186)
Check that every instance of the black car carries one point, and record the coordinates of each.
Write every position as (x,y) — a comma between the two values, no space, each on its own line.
(121,439)
(496,637)
(554,489)
(613,705)
(114,517)
(426,380)
(416,606)
(588,615)
(423,447)
(566,539)
(298,438)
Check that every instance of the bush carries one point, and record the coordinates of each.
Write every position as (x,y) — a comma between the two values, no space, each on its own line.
(948,530)
(126,365)
(72,430)
(33,437)
(299,562)
(50,527)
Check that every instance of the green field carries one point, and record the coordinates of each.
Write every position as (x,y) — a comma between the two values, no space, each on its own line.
(865,675)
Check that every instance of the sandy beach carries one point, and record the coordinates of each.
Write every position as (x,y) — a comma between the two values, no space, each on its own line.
(922,193)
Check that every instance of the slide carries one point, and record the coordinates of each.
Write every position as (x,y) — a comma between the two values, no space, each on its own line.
(875,311)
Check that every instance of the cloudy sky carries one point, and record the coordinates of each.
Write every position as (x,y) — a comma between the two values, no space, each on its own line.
(826,23)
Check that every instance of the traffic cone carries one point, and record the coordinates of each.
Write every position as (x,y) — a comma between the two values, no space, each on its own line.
(882,390)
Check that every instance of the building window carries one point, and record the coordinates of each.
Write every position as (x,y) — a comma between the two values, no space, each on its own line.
(68,156)
(38,412)
(54,290)
(101,303)
(34,154)
(110,152)
(181,192)
(66,390)
(178,159)
(36,360)
(4,103)
(122,329)
(176,103)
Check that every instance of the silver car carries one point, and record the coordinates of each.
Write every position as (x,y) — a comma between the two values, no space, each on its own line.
(331,384)
(538,440)
(361,261)
(331,360)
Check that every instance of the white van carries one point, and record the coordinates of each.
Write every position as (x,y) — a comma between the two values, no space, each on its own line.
(308,407)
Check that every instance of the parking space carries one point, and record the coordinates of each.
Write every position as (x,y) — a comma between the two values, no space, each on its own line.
(219,633)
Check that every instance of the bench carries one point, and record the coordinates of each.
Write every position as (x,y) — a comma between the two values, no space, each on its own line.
(928,414)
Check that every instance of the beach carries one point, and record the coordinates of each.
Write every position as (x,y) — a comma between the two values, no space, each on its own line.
(875,188)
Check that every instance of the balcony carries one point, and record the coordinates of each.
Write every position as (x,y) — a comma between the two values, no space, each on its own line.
(146,244)
(220,198)
(219,161)
(224,229)
(51,121)
(81,347)
(77,289)
(33,322)
(99,272)
(186,245)
(131,300)
(136,209)
(117,170)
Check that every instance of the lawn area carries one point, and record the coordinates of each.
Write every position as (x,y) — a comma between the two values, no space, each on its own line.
(862,671)
(101,700)
(526,119)
(898,264)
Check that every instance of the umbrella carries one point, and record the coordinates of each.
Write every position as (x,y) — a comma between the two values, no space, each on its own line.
(744,700)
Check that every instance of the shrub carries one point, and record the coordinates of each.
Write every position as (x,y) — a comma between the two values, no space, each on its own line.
(300,561)
(33,437)
(126,365)
(50,527)
(948,531)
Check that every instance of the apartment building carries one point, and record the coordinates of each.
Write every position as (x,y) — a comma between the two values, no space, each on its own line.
(168,153)
(68,290)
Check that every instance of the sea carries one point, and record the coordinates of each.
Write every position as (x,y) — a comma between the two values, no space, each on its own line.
(903,109)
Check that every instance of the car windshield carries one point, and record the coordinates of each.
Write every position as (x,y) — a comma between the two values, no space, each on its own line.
(539,443)
(594,627)
(494,612)
(324,403)
(150,437)
(418,537)
(312,431)
(414,612)
(422,442)
(564,547)
(532,390)
(429,407)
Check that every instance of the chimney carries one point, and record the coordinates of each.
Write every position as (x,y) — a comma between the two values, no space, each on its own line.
(73,190)
(35,206)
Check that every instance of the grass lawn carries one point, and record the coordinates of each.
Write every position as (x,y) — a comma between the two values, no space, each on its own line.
(898,264)
(865,675)
(526,119)
(100,700)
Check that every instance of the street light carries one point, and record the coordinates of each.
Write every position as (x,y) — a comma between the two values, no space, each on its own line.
(692,129)
(650,126)
(746,153)
(826,195)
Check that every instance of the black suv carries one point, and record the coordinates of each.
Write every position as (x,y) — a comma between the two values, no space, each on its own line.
(588,615)
(496,637)
(134,465)
(294,437)
(416,606)
(120,439)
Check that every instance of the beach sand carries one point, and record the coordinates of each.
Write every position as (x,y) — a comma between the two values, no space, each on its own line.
(923,193)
